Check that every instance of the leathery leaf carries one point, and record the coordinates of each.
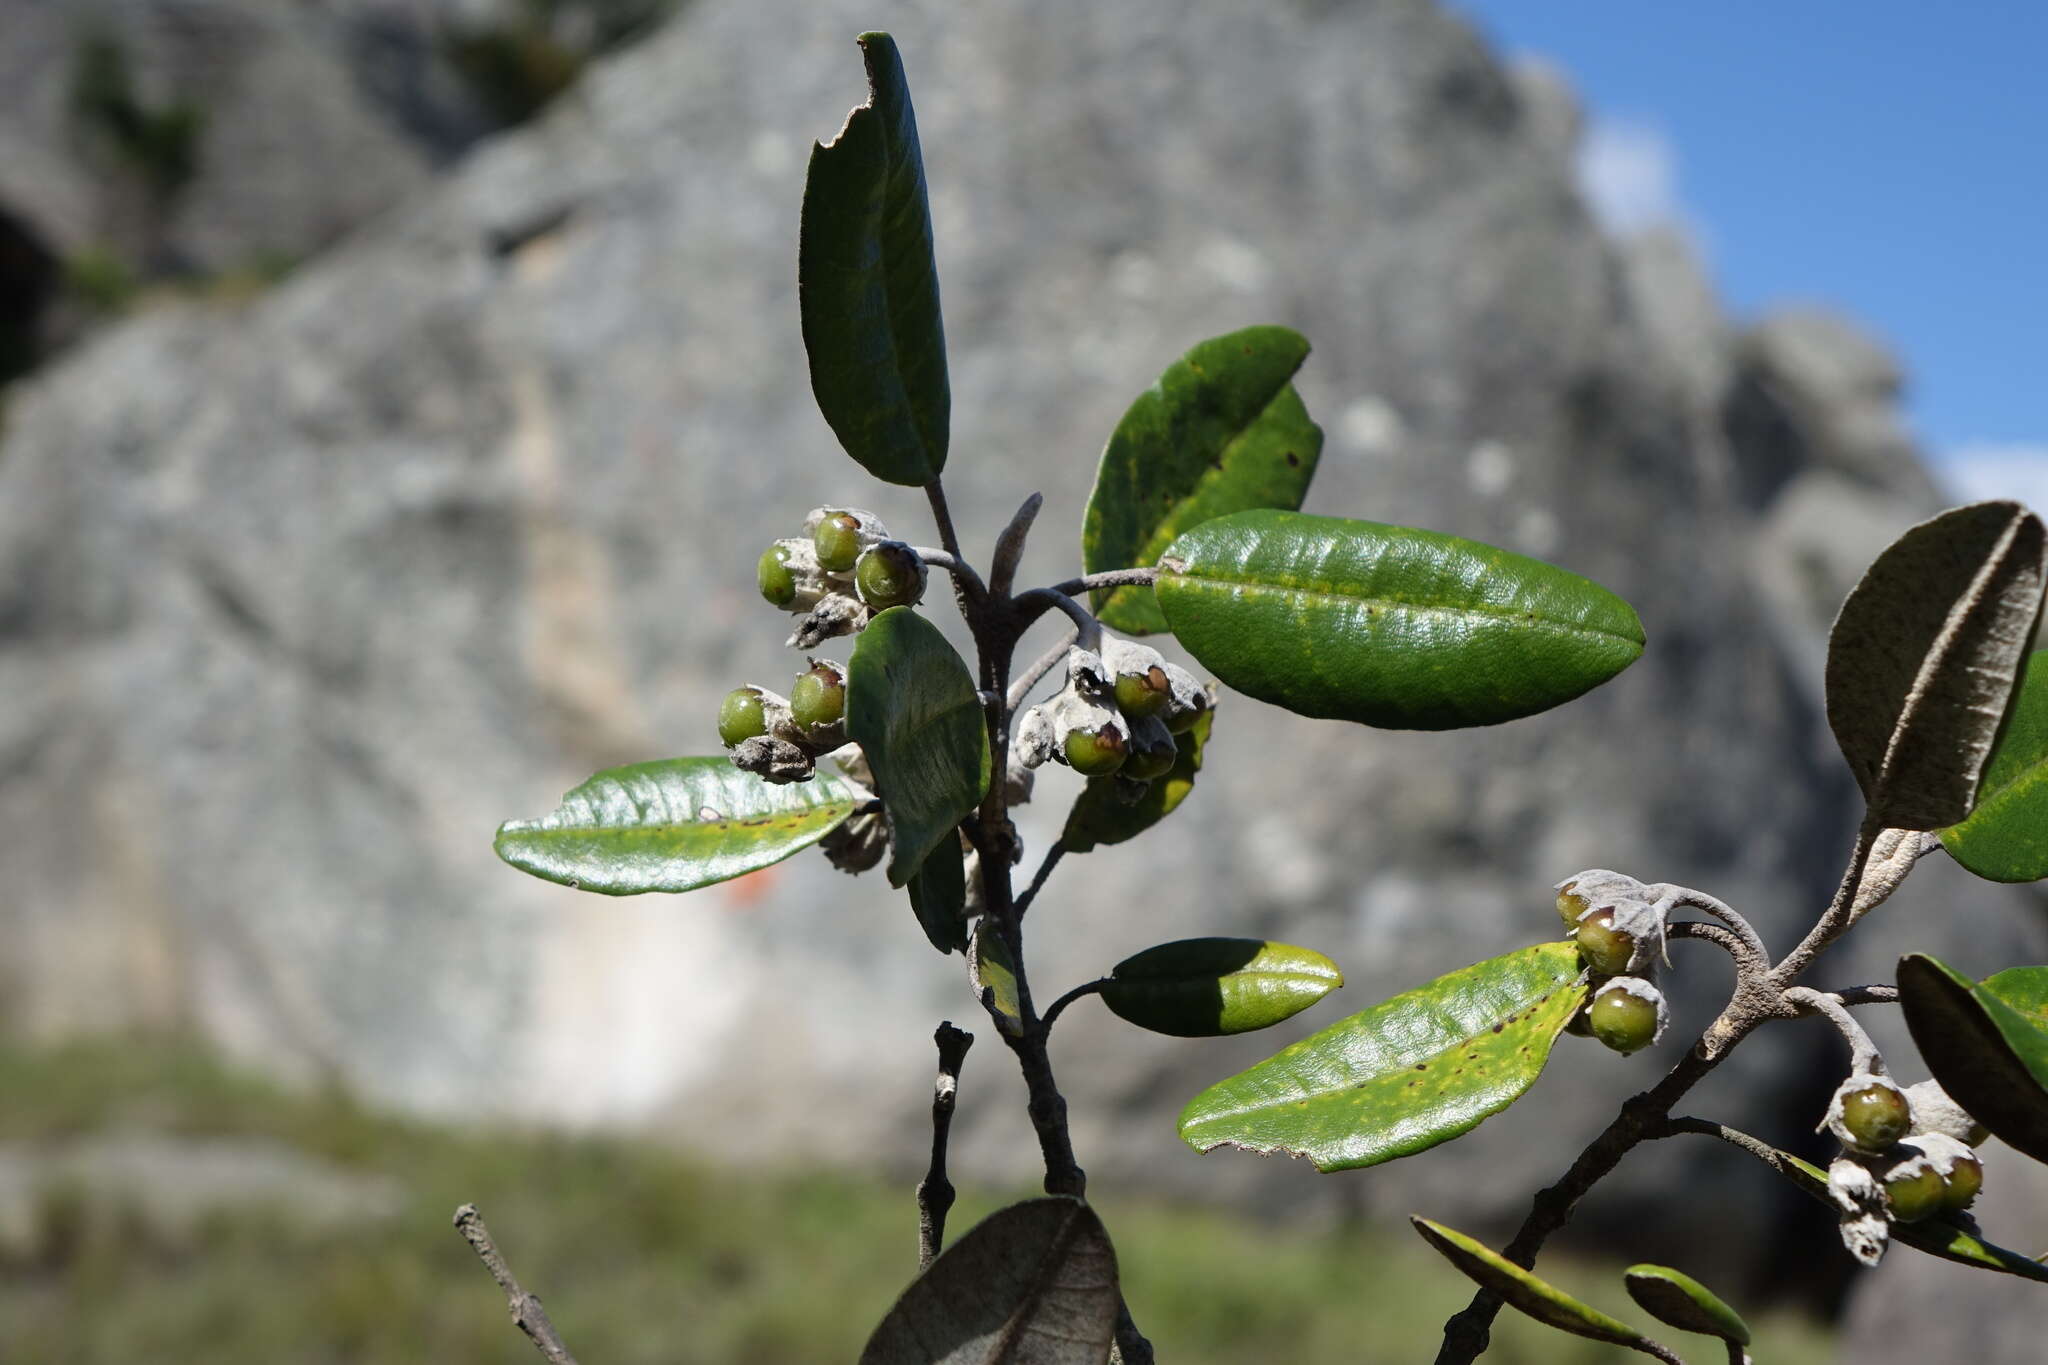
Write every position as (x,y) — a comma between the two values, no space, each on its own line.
(2006,837)
(1388,625)
(1678,1300)
(673,825)
(1986,1042)
(1209,987)
(1527,1293)
(1405,1075)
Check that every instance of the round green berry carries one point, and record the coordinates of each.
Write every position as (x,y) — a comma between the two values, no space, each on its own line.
(777,583)
(740,716)
(1876,1116)
(1145,765)
(819,696)
(1915,1194)
(1622,1019)
(1570,905)
(1143,694)
(837,539)
(889,575)
(1180,720)
(1965,1178)
(1097,753)
(1606,949)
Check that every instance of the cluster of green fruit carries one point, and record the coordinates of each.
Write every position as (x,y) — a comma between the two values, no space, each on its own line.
(1117,716)
(844,554)
(1620,934)
(1917,1144)
(781,737)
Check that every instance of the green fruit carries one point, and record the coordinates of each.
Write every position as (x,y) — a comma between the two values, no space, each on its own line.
(1915,1196)
(1876,1117)
(1180,722)
(1144,765)
(1622,1020)
(1606,949)
(1143,694)
(1965,1178)
(740,716)
(772,573)
(1097,753)
(889,575)
(837,539)
(1570,905)
(819,697)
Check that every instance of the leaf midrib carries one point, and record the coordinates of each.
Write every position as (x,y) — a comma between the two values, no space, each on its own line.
(1254,588)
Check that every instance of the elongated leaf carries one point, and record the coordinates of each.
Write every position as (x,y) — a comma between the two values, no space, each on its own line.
(1208,987)
(994,976)
(1678,1300)
(1935,1236)
(1523,1291)
(1405,1075)
(912,708)
(868,288)
(1986,1042)
(673,825)
(1922,659)
(1222,431)
(1100,816)
(2006,836)
(938,897)
(1033,1284)
(1388,625)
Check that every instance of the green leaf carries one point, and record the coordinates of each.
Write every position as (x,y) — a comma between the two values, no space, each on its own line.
(938,897)
(1526,1293)
(1935,1236)
(1101,816)
(1033,1284)
(1922,659)
(2006,837)
(1986,1042)
(994,976)
(1405,1075)
(1222,431)
(868,288)
(1678,1300)
(912,708)
(1387,625)
(673,825)
(1208,987)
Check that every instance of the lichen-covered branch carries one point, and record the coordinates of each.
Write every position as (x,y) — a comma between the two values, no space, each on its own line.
(527,1313)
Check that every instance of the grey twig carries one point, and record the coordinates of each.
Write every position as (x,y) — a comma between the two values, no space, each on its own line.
(1045,867)
(961,570)
(1722,911)
(1080,992)
(935,1191)
(1108,578)
(1864,1055)
(1009,552)
(1868,995)
(1041,666)
(527,1313)
(1087,630)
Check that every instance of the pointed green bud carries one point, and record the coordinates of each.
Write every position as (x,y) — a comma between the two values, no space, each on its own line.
(772,574)
(740,716)
(838,541)
(819,696)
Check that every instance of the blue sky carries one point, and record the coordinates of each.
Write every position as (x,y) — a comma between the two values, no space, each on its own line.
(1886,158)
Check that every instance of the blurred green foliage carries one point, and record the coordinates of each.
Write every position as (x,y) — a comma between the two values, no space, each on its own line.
(518,63)
(160,142)
(643,1255)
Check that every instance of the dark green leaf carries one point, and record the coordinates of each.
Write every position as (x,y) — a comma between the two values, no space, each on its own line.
(1522,1290)
(868,288)
(938,897)
(1922,659)
(2006,836)
(1405,1075)
(673,825)
(1222,431)
(994,976)
(1388,625)
(1034,1284)
(1986,1042)
(912,708)
(1100,816)
(1680,1301)
(1207,987)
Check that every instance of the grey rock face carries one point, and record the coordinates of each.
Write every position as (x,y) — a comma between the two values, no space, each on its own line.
(297,604)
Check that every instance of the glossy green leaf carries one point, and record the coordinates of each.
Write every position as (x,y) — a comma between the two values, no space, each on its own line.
(2006,837)
(1405,1075)
(1222,431)
(1935,1236)
(1986,1042)
(868,288)
(673,825)
(911,706)
(1922,659)
(1387,625)
(1101,816)
(1523,1291)
(1678,1300)
(1033,1284)
(993,975)
(938,897)
(1208,987)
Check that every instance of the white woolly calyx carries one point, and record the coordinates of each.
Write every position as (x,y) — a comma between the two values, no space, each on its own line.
(1597,886)
(1642,989)
(1835,1121)
(1935,1112)
(1859,1197)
